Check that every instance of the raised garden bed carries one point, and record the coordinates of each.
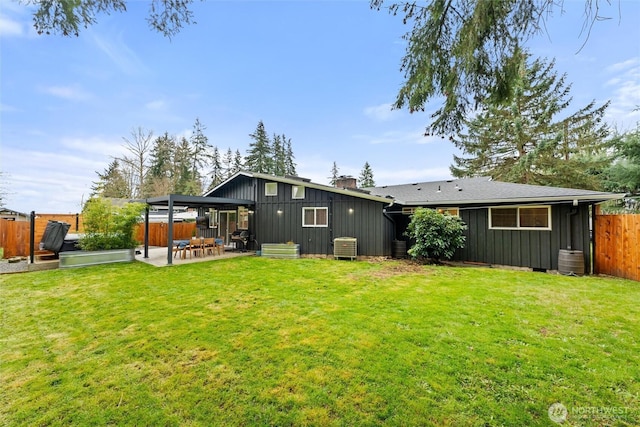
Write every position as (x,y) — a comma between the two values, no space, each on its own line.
(280,250)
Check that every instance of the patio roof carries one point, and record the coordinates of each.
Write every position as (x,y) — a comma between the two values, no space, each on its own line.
(171,200)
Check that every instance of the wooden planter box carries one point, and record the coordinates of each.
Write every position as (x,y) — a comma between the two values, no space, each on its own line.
(280,250)
(85,258)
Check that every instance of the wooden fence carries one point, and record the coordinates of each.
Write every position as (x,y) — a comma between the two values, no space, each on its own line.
(617,245)
(14,235)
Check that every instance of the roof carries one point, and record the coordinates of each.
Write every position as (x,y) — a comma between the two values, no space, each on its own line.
(355,192)
(482,191)
(193,201)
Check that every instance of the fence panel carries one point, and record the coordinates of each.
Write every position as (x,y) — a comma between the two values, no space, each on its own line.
(14,238)
(617,245)
(14,235)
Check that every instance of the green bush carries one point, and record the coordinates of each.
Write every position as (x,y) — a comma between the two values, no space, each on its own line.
(109,227)
(436,235)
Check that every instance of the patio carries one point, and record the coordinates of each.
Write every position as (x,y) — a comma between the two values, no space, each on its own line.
(158,256)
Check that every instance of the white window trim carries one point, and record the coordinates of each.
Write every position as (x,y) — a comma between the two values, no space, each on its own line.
(266,189)
(302,188)
(518,227)
(314,225)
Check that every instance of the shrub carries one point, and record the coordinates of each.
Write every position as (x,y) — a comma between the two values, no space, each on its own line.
(109,227)
(436,235)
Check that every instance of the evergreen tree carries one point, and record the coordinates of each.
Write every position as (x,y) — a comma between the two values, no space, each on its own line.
(184,182)
(524,141)
(366,177)
(289,166)
(217,172)
(199,150)
(335,173)
(279,157)
(111,183)
(462,51)
(259,153)
(238,162)
(624,174)
(160,180)
(227,163)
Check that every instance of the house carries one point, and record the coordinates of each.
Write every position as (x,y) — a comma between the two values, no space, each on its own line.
(12,215)
(294,209)
(508,224)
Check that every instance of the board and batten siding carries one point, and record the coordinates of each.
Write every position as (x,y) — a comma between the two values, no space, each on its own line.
(366,222)
(537,249)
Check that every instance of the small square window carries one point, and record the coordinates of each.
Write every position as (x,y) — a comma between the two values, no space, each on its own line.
(297,192)
(315,217)
(271,189)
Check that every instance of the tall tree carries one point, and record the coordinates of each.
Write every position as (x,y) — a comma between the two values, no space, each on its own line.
(160,179)
(624,174)
(526,139)
(279,156)
(139,146)
(3,189)
(217,171)
(68,17)
(111,183)
(366,176)
(290,165)
(200,149)
(238,162)
(462,50)
(227,163)
(183,179)
(335,173)
(258,157)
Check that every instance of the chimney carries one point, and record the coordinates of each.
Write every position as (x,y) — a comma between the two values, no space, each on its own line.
(346,181)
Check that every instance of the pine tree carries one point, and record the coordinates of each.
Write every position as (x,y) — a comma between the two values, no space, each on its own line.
(217,171)
(279,157)
(227,163)
(199,149)
(238,162)
(290,165)
(160,180)
(524,140)
(183,180)
(111,183)
(366,177)
(259,153)
(335,173)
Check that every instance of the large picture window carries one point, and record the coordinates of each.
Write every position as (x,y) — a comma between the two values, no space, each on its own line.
(315,217)
(521,217)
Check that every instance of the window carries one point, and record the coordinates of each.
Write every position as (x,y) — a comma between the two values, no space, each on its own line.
(270,188)
(450,211)
(523,217)
(297,192)
(243,218)
(408,211)
(315,217)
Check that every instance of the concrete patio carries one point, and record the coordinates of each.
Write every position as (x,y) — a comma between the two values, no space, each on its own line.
(158,257)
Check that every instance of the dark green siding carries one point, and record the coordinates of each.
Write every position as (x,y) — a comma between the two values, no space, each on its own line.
(525,248)
(366,222)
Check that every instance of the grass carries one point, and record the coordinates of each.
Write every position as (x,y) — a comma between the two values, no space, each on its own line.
(255,341)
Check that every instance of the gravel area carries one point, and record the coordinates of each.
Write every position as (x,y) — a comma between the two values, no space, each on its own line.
(13,267)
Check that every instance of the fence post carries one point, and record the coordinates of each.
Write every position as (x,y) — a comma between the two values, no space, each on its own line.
(32,236)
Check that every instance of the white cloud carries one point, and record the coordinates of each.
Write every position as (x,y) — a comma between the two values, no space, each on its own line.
(121,55)
(10,27)
(382,112)
(72,93)
(101,148)
(156,105)
(397,137)
(621,66)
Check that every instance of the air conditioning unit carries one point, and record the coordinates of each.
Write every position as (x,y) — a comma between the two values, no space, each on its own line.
(345,247)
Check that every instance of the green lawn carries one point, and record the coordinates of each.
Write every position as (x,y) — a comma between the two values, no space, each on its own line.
(255,341)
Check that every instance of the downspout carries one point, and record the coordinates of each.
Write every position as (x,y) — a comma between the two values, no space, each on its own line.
(330,225)
(571,213)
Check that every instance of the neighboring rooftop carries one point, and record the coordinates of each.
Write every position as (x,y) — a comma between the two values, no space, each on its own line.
(483,190)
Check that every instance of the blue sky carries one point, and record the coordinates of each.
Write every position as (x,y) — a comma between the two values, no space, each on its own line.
(322,72)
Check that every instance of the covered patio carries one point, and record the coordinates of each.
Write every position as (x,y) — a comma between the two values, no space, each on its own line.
(157,256)
(173,200)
